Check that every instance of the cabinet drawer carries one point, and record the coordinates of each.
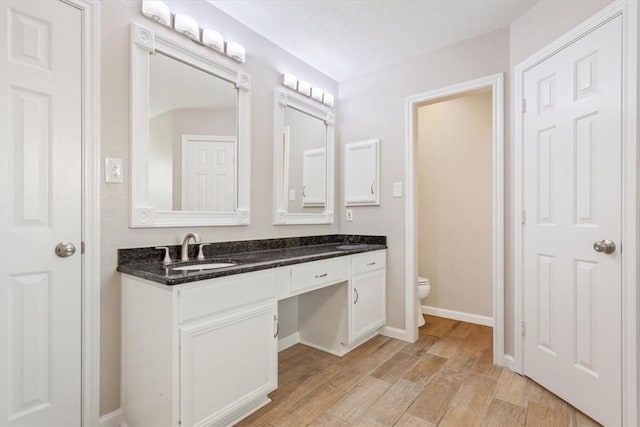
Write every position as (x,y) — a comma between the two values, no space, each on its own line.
(224,294)
(316,274)
(370,261)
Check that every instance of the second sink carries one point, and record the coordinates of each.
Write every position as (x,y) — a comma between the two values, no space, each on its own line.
(210,266)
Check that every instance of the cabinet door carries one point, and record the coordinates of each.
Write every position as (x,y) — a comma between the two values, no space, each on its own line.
(361,173)
(226,363)
(368,303)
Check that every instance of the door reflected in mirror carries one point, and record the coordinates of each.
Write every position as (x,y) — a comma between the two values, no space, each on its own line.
(306,140)
(193,132)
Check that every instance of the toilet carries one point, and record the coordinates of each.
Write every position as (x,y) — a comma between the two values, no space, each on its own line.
(423,290)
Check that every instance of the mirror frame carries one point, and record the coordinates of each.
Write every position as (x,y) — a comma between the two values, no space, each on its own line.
(284,98)
(143,42)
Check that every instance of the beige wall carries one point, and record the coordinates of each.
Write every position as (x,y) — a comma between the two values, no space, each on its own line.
(455,203)
(265,64)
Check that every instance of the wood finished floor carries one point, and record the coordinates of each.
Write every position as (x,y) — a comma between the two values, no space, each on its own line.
(446,378)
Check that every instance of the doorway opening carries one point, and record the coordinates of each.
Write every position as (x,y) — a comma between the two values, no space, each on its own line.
(454,192)
(417,109)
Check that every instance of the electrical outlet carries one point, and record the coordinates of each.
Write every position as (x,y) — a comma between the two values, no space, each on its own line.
(113,170)
(292,195)
(349,215)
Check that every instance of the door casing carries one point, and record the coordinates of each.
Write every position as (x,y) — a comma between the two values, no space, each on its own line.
(630,218)
(91,181)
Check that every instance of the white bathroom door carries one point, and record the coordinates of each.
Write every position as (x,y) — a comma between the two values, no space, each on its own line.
(40,195)
(208,173)
(572,199)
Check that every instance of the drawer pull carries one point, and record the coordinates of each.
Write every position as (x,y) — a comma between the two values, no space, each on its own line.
(276,326)
(369,264)
(357,296)
(319,276)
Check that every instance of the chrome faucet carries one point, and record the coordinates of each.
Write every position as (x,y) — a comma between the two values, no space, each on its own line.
(185,244)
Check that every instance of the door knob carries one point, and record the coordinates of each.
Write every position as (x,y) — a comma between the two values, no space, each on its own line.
(604,246)
(65,249)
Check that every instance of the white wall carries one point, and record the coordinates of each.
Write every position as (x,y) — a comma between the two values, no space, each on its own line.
(372,106)
(454,187)
(265,64)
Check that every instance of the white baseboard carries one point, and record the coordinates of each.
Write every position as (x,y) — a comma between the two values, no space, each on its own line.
(286,342)
(112,419)
(391,332)
(509,362)
(341,351)
(458,315)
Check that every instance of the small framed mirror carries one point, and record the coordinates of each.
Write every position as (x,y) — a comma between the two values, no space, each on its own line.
(190,147)
(303,160)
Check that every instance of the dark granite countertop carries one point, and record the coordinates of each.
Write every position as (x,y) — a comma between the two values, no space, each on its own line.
(251,255)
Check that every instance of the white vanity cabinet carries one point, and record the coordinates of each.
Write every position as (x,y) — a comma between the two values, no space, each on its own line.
(203,353)
(368,294)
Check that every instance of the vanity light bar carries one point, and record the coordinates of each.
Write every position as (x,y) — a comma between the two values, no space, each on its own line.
(184,24)
(291,81)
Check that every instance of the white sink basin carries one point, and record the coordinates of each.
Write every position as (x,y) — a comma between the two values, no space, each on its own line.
(210,266)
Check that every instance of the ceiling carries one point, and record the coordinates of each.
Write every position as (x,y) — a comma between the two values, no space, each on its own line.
(347,38)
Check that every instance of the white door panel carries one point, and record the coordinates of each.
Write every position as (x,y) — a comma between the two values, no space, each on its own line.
(209,173)
(572,198)
(40,186)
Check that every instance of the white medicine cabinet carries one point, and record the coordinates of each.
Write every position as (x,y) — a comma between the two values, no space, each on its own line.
(362,173)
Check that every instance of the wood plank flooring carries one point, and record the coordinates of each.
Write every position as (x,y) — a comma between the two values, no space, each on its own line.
(446,378)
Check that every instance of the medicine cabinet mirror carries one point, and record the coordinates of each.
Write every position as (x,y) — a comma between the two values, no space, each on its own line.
(303,160)
(190,147)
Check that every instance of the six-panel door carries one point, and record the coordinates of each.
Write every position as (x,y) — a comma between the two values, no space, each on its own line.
(40,209)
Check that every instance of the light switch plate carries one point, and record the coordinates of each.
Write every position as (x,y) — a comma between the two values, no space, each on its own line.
(113,170)
(292,195)
(397,189)
(349,215)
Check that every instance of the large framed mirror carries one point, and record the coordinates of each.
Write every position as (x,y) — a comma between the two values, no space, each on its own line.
(303,146)
(190,130)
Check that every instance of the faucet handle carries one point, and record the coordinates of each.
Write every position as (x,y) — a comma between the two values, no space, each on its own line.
(167,257)
(200,252)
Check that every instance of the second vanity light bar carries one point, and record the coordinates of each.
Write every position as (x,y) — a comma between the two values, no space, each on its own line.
(184,24)
(292,82)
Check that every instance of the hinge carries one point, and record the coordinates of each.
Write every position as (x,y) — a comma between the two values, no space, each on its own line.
(524,106)
(523,329)
(82,247)
(524,216)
